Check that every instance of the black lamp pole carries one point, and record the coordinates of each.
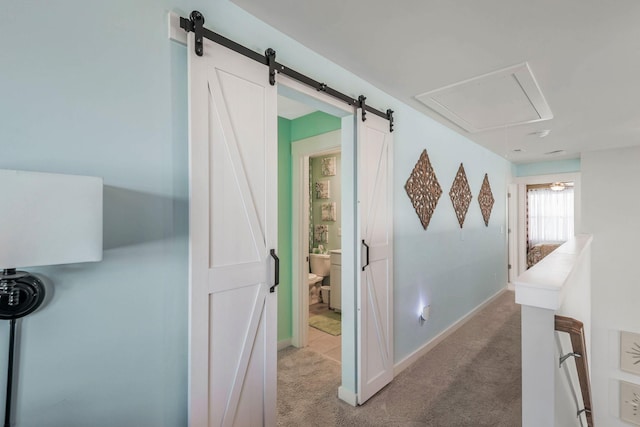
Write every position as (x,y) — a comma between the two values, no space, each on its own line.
(20,294)
(12,341)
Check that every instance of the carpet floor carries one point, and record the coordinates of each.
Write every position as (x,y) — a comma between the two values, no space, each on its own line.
(472,378)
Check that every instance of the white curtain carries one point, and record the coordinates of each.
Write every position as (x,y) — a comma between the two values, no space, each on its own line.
(550,215)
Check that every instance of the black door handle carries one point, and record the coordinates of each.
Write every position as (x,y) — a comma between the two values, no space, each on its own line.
(367,257)
(276,279)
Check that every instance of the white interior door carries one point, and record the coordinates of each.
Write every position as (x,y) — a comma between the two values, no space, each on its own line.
(233,220)
(375,287)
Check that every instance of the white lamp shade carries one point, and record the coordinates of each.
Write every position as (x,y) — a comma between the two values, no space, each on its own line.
(48,219)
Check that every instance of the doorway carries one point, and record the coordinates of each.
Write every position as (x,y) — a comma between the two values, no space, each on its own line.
(322,200)
(521,242)
(330,145)
(366,269)
(550,218)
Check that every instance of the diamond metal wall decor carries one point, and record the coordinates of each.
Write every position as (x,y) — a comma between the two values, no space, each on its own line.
(460,194)
(485,198)
(423,189)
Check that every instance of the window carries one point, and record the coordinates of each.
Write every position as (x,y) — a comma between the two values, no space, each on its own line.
(550,214)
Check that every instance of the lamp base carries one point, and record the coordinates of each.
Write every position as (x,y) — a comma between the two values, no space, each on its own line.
(20,294)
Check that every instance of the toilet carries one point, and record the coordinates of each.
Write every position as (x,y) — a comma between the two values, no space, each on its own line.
(320,266)
(315,282)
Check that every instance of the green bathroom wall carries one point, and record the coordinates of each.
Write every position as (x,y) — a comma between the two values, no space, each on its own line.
(289,131)
(313,124)
(284,228)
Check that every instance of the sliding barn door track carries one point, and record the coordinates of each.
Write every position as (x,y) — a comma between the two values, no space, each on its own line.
(195,24)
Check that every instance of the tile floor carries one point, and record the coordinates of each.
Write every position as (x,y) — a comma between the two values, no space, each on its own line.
(321,342)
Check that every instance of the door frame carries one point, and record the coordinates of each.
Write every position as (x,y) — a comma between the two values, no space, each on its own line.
(301,152)
(519,238)
(323,102)
(512,235)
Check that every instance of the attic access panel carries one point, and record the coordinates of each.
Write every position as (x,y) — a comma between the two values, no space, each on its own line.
(502,98)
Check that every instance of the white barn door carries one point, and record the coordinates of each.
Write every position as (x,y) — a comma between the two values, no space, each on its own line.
(375,287)
(233,220)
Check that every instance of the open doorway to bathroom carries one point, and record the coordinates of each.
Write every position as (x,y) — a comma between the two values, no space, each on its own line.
(314,139)
(325,254)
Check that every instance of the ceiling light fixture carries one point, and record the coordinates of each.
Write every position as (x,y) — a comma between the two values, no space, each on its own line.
(554,153)
(541,133)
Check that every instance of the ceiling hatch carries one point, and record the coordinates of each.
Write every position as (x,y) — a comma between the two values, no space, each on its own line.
(502,98)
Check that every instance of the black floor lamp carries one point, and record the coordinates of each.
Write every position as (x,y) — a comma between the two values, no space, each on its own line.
(45,219)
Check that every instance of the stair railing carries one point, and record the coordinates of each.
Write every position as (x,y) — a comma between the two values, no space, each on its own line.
(575,329)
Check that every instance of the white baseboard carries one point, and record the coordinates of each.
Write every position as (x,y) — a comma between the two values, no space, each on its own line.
(347,396)
(284,344)
(413,357)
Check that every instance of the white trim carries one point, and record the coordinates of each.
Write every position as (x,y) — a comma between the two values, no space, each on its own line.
(512,234)
(176,33)
(282,344)
(347,396)
(427,347)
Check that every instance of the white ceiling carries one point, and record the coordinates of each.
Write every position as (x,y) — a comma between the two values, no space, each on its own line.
(584,55)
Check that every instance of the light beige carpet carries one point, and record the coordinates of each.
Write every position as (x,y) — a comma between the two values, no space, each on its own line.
(470,379)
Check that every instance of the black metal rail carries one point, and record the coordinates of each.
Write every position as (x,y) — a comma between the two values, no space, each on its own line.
(195,24)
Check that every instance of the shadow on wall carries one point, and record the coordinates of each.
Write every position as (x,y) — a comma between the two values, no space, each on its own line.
(133,217)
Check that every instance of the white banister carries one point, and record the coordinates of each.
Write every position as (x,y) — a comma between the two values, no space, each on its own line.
(559,284)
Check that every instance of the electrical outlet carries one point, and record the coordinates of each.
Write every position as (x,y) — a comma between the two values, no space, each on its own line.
(426,312)
(630,403)
(630,352)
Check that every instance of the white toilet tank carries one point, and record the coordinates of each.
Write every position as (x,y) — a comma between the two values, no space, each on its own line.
(320,264)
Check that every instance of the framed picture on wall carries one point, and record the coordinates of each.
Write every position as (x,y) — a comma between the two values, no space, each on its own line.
(328,166)
(322,190)
(329,211)
(321,234)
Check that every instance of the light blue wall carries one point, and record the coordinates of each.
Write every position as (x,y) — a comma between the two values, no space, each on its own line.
(546,168)
(99,90)
(451,269)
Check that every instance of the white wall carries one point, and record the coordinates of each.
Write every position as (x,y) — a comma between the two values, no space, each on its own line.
(610,206)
